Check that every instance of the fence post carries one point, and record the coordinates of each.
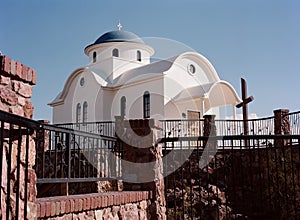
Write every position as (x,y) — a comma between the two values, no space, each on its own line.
(281,125)
(142,166)
(209,126)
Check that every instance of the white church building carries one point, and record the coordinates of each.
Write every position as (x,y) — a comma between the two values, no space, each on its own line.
(121,80)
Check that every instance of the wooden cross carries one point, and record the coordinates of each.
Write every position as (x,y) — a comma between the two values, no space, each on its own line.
(244,103)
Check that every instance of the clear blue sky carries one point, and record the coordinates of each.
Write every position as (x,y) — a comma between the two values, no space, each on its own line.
(254,39)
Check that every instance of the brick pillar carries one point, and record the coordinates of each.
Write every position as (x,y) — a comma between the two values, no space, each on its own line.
(281,125)
(16,82)
(142,166)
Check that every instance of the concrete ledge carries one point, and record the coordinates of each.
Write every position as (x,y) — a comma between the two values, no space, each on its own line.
(60,205)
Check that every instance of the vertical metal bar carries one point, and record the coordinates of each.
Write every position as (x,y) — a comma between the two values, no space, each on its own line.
(293,179)
(277,175)
(26,172)
(78,154)
(284,160)
(9,159)
(181,179)
(18,171)
(68,160)
(268,151)
(42,130)
(1,161)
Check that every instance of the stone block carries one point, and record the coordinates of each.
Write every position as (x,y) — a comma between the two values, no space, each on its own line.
(7,96)
(23,89)
(4,80)
(16,110)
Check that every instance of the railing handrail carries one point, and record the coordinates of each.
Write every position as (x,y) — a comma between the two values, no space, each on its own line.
(228,137)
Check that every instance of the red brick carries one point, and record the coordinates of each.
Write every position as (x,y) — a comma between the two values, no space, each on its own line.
(104,201)
(38,209)
(62,207)
(110,200)
(33,77)
(76,205)
(72,205)
(98,202)
(80,205)
(88,203)
(122,198)
(24,72)
(48,208)
(12,67)
(29,75)
(6,64)
(93,202)
(57,208)
(84,204)
(19,69)
(68,206)
(42,210)
(53,208)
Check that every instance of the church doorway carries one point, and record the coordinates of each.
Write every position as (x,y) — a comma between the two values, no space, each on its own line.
(194,123)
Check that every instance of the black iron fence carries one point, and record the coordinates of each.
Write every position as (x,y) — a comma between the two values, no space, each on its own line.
(70,156)
(63,156)
(15,135)
(194,128)
(105,128)
(294,119)
(212,179)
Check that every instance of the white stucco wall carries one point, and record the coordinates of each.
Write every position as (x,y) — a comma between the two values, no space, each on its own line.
(134,99)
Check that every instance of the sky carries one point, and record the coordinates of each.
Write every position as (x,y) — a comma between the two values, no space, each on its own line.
(253,39)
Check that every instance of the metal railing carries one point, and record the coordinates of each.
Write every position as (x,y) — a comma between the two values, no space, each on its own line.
(15,136)
(294,119)
(194,128)
(211,179)
(105,128)
(66,156)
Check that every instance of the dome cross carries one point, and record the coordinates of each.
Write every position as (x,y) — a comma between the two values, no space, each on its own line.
(119,26)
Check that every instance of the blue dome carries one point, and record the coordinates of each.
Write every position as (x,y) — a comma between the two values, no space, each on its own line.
(118,36)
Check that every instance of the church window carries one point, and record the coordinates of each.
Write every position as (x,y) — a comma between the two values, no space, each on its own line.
(191,68)
(94,57)
(123,106)
(146,104)
(115,52)
(78,113)
(139,56)
(85,112)
(81,81)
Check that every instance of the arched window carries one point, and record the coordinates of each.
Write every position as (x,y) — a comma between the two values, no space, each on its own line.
(115,52)
(94,57)
(146,104)
(123,106)
(138,56)
(85,112)
(78,113)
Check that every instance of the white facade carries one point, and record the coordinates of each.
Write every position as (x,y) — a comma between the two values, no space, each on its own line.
(121,80)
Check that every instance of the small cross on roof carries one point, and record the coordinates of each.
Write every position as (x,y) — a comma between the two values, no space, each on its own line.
(119,26)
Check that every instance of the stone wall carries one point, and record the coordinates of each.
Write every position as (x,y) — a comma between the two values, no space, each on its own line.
(142,166)
(16,81)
